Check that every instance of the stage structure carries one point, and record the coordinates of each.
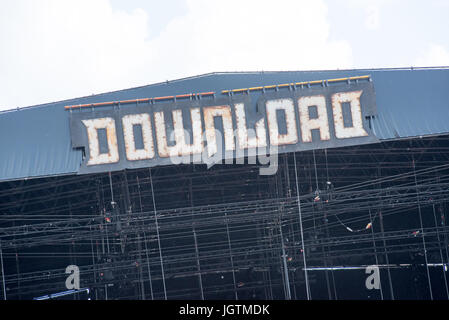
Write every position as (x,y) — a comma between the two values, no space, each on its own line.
(251,185)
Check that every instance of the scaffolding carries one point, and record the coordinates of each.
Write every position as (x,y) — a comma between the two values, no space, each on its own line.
(187,232)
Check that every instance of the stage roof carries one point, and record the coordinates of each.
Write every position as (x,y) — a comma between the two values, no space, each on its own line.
(36,142)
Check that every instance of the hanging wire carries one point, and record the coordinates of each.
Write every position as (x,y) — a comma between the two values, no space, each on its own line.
(375,256)
(284,260)
(385,249)
(158,236)
(316,172)
(197,253)
(329,184)
(317,198)
(3,272)
(422,230)
(302,231)
(443,265)
(145,239)
(112,190)
(200,279)
(368,226)
(230,256)
(284,269)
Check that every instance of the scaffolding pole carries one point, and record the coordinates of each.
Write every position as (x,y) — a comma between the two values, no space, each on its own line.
(302,231)
(3,272)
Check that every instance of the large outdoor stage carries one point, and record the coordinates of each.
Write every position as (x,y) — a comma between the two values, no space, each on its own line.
(355,208)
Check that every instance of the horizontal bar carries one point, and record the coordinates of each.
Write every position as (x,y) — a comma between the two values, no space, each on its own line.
(366,266)
(164,98)
(61,294)
(292,84)
(99,104)
(188,95)
(212,92)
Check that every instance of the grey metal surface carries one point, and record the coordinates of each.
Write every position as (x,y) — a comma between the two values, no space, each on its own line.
(35,141)
(312,118)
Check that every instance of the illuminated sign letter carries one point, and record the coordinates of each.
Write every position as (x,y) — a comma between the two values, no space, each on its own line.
(291,137)
(320,122)
(225,113)
(181,148)
(96,157)
(356,130)
(129,121)
(242,131)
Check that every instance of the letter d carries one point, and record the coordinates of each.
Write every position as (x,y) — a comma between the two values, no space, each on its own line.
(257,309)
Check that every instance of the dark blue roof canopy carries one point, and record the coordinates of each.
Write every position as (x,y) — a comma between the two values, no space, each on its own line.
(35,141)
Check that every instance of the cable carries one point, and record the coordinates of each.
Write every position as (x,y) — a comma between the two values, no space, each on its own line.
(302,232)
(422,229)
(158,236)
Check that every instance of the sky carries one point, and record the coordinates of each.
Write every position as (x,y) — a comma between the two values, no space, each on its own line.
(52,50)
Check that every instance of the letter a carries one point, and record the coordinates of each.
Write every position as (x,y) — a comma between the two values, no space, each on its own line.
(373,281)
(73,280)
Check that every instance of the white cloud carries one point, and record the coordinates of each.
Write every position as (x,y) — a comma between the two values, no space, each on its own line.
(58,49)
(372,19)
(53,50)
(436,56)
(249,35)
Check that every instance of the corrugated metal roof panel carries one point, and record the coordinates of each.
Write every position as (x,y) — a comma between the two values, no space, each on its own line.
(35,141)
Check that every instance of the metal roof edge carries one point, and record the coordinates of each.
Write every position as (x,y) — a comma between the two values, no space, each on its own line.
(68,101)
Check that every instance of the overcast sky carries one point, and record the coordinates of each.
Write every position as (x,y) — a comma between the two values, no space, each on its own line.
(52,50)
